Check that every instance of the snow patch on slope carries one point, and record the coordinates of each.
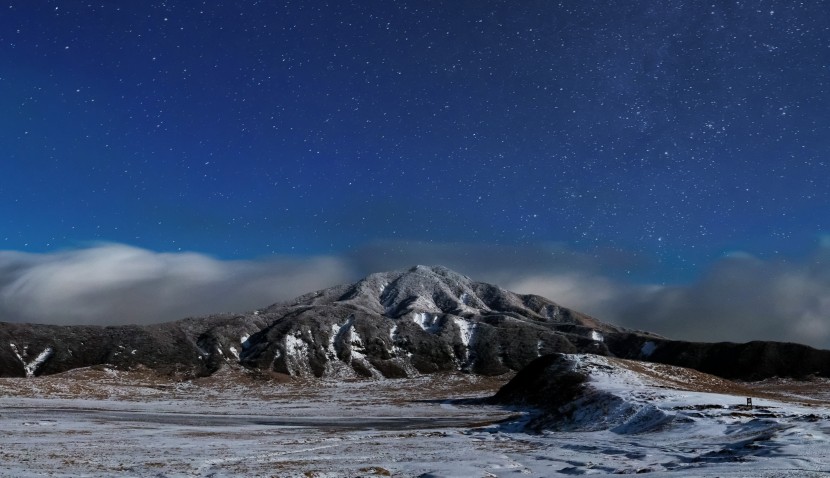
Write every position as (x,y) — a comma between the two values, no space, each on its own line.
(296,355)
(400,353)
(32,367)
(428,322)
(358,350)
(335,367)
(466,330)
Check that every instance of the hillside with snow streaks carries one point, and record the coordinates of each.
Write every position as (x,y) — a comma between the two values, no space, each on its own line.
(387,325)
(390,324)
(424,320)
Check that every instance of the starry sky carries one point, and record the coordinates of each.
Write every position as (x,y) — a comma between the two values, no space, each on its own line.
(672,133)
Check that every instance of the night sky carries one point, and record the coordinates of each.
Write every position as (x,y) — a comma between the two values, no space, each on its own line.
(672,133)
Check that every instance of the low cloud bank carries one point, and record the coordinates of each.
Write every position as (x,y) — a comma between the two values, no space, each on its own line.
(739,298)
(117,284)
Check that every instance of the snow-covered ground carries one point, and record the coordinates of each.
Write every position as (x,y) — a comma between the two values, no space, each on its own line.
(106,423)
(667,421)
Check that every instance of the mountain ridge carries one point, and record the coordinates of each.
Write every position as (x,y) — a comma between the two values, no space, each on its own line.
(387,325)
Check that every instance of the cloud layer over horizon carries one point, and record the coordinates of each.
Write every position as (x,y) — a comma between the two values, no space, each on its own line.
(740,298)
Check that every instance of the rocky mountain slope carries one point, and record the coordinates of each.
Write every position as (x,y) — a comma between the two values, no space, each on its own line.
(391,324)
(420,321)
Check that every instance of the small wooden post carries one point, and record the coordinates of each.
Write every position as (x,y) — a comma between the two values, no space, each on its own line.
(749,402)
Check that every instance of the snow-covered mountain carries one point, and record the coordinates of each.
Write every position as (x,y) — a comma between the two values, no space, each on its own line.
(391,324)
(423,320)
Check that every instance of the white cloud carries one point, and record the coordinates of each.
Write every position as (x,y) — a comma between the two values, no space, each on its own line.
(118,284)
(739,299)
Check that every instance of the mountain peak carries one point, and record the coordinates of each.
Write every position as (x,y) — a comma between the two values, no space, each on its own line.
(432,289)
(440,290)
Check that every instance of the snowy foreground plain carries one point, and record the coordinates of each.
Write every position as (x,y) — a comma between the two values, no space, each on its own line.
(100,422)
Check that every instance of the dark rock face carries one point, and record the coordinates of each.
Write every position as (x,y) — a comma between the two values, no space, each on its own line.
(548,382)
(394,324)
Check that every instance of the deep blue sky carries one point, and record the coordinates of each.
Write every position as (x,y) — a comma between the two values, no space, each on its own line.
(675,131)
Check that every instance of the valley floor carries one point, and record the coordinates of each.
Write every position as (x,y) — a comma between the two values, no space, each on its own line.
(101,422)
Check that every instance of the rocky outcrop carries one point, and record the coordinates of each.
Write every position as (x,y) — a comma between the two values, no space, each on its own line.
(572,392)
(567,396)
